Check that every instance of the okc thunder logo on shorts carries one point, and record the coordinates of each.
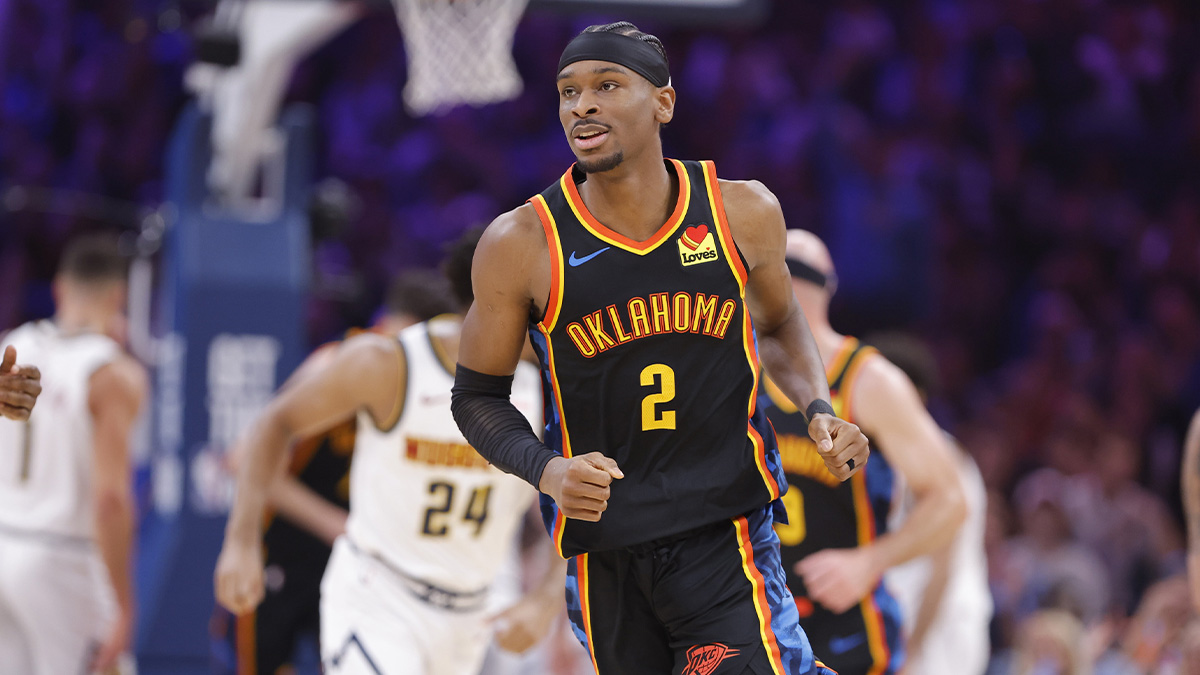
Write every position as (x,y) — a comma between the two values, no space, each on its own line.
(696,245)
(704,659)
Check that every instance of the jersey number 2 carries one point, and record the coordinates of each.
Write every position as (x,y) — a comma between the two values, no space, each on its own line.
(477,508)
(651,417)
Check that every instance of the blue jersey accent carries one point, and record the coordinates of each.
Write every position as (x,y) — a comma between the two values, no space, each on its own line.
(576,262)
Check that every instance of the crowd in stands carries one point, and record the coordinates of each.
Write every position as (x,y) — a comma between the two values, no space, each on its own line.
(1016,182)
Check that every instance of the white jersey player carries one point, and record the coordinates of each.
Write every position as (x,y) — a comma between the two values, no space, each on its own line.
(431,523)
(66,516)
(944,597)
(444,544)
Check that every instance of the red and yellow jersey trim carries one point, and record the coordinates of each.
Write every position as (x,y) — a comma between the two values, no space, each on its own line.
(717,204)
(840,357)
(843,397)
(846,391)
(613,238)
(560,520)
(554,244)
(585,605)
(725,235)
(759,586)
(872,617)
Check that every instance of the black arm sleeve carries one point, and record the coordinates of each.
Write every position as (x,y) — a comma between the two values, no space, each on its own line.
(494,426)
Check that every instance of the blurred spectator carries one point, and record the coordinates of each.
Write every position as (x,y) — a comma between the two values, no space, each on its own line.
(1124,523)
(1158,637)
(1044,566)
(1049,642)
(1020,178)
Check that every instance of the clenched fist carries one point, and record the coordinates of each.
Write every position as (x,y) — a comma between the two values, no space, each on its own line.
(579,485)
(841,444)
(238,580)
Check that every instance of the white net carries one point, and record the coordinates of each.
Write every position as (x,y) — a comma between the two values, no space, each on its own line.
(459,51)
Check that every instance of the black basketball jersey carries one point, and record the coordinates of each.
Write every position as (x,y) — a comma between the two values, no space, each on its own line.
(824,512)
(649,356)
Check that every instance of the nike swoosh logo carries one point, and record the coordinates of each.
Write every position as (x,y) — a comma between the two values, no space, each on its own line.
(844,644)
(576,262)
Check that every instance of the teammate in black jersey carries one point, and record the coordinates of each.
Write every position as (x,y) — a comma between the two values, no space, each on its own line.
(650,289)
(836,545)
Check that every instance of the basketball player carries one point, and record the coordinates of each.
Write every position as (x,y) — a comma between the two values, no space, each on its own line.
(644,283)
(311,499)
(66,508)
(19,386)
(430,524)
(836,546)
(944,597)
(1191,505)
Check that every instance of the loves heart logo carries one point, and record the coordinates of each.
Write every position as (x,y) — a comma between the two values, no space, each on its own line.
(696,245)
(694,236)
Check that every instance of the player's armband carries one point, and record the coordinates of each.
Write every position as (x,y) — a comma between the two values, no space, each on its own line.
(494,426)
(817,407)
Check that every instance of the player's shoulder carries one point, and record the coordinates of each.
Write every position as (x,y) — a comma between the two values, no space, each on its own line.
(368,350)
(124,377)
(748,198)
(513,257)
(755,220)
(877,374)
(519,227)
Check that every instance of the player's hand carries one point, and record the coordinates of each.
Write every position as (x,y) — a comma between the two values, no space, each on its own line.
(108,654)
(19,387)
(523,625)
(239,576)
(839,578)
(841,444)
(579,485)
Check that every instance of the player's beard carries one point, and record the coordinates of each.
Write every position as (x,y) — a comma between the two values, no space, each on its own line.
(602,164)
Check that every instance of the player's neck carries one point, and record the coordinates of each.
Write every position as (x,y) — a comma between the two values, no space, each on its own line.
(78,320)
(634,199)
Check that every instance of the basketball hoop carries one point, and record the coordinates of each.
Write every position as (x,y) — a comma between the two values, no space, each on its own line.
(459,51)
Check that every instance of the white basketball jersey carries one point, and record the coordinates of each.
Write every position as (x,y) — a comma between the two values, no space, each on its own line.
(421,498)
(967,600)
(46,463)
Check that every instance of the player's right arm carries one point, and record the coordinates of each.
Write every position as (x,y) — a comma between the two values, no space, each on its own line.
(940,569)
(521,626)
(290,498)
(786,345)
(510,276)
(1191,505)
(115,395)
(366,373)
(889,408)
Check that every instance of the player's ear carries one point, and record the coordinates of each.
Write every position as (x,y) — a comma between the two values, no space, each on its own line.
(665,100)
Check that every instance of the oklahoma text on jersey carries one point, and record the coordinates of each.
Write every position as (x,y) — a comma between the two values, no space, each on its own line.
(655,314)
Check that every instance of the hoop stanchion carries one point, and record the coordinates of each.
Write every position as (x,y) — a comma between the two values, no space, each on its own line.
(233,313)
